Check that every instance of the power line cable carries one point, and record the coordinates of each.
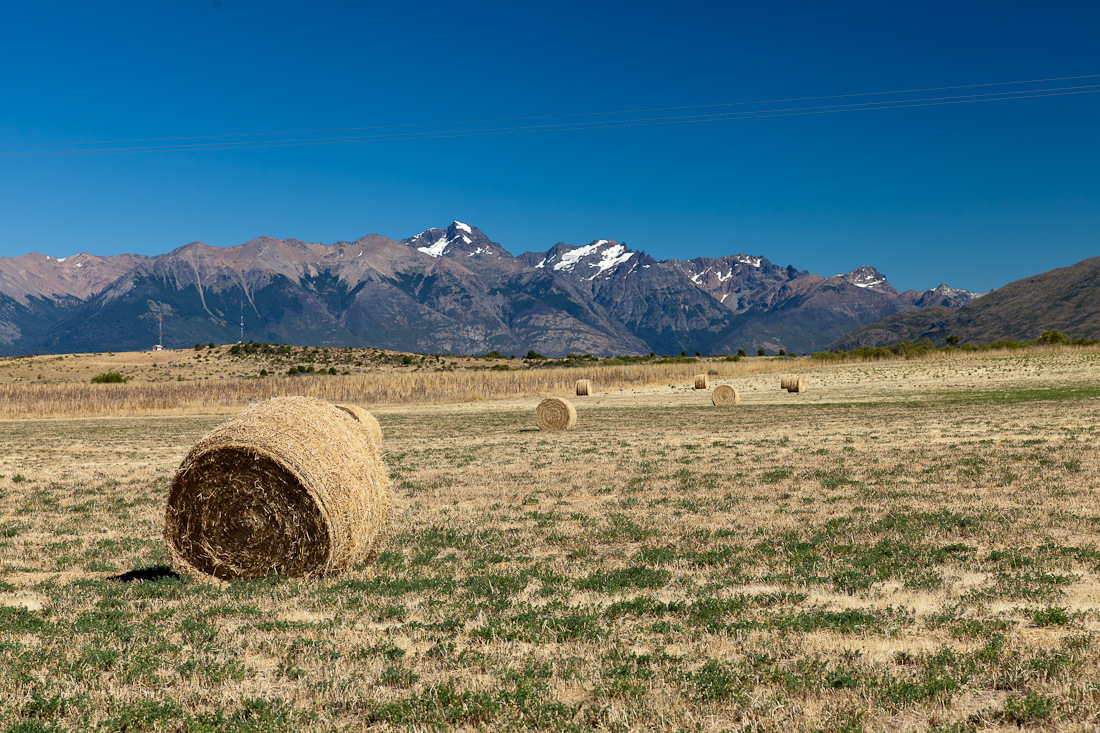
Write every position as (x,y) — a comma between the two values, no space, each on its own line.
(406,135)
(579,114)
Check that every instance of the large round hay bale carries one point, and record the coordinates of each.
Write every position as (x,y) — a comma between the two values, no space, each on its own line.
(797,384)
(785,382)
(724,394)
(554,413)
(368,423)
(289,486)
(584,388)
(702,381)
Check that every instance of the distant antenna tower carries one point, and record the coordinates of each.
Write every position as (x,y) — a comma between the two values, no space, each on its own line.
(160,330)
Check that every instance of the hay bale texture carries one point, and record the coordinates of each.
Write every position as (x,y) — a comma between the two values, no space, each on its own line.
(584,388)
(725,395)
(702,381)
(368,423)
(792,383)
(554,413)
(291,486)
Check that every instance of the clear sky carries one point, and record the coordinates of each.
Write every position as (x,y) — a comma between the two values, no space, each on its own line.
(975,194)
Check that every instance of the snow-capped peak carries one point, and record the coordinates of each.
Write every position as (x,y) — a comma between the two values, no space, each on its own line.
(463,227)
(610,257)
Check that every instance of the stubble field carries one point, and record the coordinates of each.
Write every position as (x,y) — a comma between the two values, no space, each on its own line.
(905,546)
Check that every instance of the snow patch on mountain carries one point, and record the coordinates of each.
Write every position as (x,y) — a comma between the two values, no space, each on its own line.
(612,257)
(439,246)
(570,259)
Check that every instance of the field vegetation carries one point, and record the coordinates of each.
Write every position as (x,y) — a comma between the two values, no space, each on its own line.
(908,545)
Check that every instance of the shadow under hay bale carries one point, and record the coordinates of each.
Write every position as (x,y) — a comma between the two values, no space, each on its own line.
(160,572)
(702,381)
(554,413)
(584,388)
(368,423)
(290,486)
(725,395)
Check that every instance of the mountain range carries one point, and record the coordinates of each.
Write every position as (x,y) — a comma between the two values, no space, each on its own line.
(449,290)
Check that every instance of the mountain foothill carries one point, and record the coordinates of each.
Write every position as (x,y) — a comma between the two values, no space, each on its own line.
(449,291)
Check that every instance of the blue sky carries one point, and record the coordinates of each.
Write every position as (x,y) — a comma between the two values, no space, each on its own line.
(974,194)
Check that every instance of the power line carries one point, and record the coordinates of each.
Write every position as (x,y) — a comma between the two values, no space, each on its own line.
(406,134)
(579,114)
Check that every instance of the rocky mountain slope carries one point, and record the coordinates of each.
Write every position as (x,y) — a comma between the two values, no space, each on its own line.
(449,290)
(1066,300)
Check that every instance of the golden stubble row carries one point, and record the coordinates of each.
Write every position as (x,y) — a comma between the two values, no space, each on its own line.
(19,401)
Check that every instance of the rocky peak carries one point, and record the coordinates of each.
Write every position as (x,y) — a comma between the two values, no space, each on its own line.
(947,296)
(868,278)
(457,237)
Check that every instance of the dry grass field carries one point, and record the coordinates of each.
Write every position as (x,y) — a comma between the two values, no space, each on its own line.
(910,545)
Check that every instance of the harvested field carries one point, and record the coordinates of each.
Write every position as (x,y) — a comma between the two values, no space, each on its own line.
(907,546)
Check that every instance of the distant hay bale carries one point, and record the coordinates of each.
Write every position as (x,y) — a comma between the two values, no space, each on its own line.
(554,413)
(792,383)
(367,423)
(702,381)
(584,388)
(290,486)
(724,394)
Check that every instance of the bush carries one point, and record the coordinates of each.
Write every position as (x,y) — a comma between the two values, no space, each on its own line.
(200,347)
(782,352)
(406,359)
(109,378)
(1053,338)
(733,358)
(759,352)
(741,352)
(532,354)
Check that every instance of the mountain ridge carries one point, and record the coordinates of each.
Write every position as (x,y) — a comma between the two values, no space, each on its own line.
(1064,299)
(450,290)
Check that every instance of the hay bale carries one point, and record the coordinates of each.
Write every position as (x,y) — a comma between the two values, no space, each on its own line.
(554,413)
(725,395)
(289,486)
(584,388)
(367,423)
(785,382)
(797,384)
(702,381)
